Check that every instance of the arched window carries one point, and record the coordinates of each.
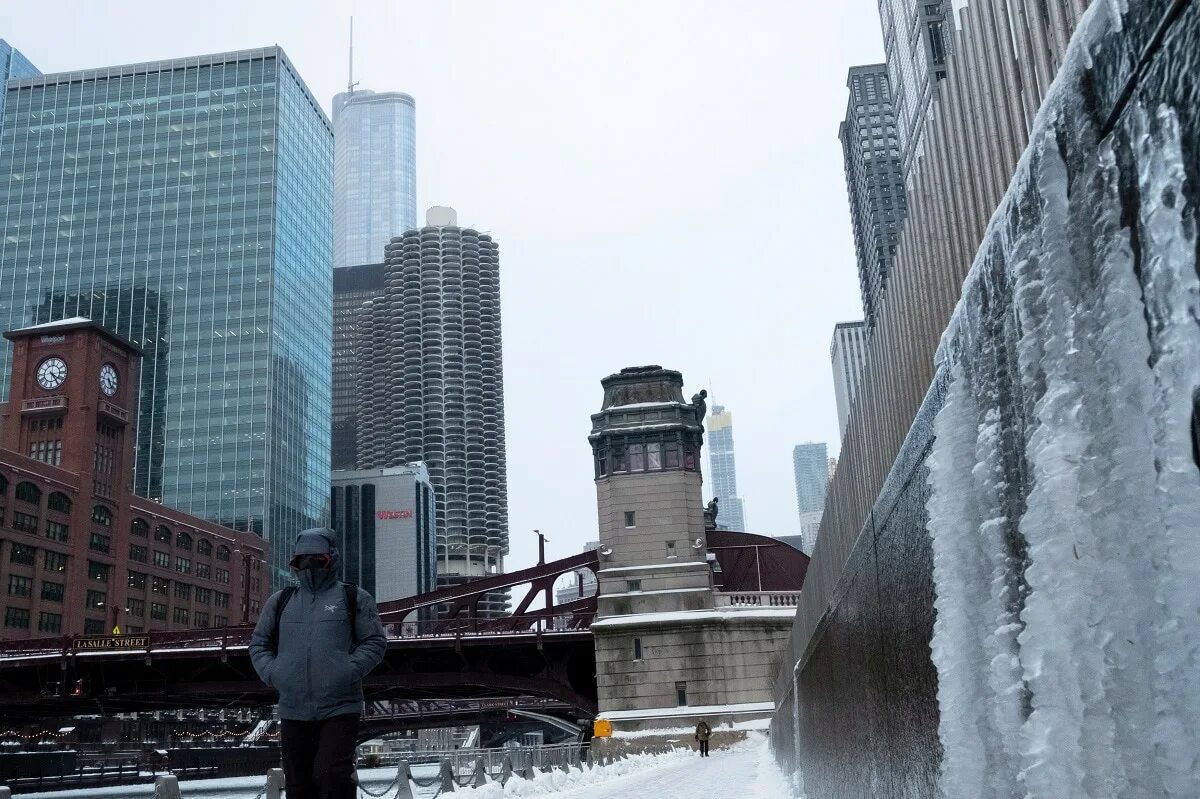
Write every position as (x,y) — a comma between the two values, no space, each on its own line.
(3,484)
(140,528)
(204,546)
(183,540)
(28,492)
(102,516)
(222,552)
(59,501)
(162,534)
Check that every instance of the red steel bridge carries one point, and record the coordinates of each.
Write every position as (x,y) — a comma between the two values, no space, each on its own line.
(544,652)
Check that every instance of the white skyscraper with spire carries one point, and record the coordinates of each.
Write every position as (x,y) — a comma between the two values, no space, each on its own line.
(731,514)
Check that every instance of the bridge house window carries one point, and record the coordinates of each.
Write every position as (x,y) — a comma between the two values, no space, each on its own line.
(630,518)
(59,502)
(634,585)
(637,648)
(652,452)
(681,693)
(670,549)
(28,492)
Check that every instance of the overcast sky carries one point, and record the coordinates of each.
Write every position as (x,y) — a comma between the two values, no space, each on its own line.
(664,180)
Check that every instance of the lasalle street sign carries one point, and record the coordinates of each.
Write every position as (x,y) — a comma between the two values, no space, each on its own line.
(113,642)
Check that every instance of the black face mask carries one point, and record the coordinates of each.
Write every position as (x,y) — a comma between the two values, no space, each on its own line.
(302,562)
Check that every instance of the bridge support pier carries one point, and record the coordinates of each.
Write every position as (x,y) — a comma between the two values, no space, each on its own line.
(404,781)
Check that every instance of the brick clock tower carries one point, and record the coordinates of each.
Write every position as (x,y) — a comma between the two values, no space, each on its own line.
(74,390)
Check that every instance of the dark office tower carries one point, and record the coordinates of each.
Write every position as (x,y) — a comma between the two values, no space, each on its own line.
(874,181)
(914,41)
(431,387)
(186,205)
(352,287)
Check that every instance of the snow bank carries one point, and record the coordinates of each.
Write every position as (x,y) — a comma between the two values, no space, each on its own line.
(560,782)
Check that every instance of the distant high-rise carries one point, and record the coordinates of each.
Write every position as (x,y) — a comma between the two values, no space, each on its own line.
(13,65)
(915,43)
(385,520)
(731,514)
(374,173)
(352,287)
(874,181)
(810,464)
(431,387)
(847,351)
(185,205)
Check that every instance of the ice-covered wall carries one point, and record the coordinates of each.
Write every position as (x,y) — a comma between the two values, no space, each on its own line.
(1055,498)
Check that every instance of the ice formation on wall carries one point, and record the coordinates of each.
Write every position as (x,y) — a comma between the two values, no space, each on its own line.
(1065,508)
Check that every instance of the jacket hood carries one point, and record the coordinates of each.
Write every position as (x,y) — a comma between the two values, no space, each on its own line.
(317,541)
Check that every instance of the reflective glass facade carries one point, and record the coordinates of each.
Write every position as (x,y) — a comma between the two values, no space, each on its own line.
(13,65)
(810,464)
(185,204)
(723,472)
(375,173)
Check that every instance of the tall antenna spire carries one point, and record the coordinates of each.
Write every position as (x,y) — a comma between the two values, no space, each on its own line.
(351,83)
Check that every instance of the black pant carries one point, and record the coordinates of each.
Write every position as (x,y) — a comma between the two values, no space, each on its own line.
(704,748)
(318,757)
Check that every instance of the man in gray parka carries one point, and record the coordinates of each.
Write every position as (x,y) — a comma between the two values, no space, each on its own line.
(316,658)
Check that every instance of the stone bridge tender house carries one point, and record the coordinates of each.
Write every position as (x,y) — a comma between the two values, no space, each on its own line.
(671,647)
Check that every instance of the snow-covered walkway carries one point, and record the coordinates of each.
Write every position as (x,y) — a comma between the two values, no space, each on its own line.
(743,772)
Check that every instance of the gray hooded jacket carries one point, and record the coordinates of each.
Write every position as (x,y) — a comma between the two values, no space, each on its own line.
(315,671)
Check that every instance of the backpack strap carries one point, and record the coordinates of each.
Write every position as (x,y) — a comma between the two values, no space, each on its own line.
(352,612)
(285,596)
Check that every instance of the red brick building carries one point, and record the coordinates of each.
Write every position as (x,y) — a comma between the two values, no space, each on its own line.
(79,552)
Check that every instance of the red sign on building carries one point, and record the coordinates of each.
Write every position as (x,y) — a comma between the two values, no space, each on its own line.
(394,514)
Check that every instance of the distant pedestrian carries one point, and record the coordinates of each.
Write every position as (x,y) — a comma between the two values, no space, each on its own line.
(703,733)
(314,644)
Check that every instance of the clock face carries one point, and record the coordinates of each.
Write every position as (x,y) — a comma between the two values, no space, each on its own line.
(52,373)
(108,379)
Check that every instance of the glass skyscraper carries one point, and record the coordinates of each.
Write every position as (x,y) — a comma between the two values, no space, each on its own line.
(186,205)
(810,465)
(374,174)
(13,65)
(730,511)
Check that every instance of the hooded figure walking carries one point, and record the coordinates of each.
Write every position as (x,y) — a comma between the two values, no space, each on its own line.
(308,648)
(703,733)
